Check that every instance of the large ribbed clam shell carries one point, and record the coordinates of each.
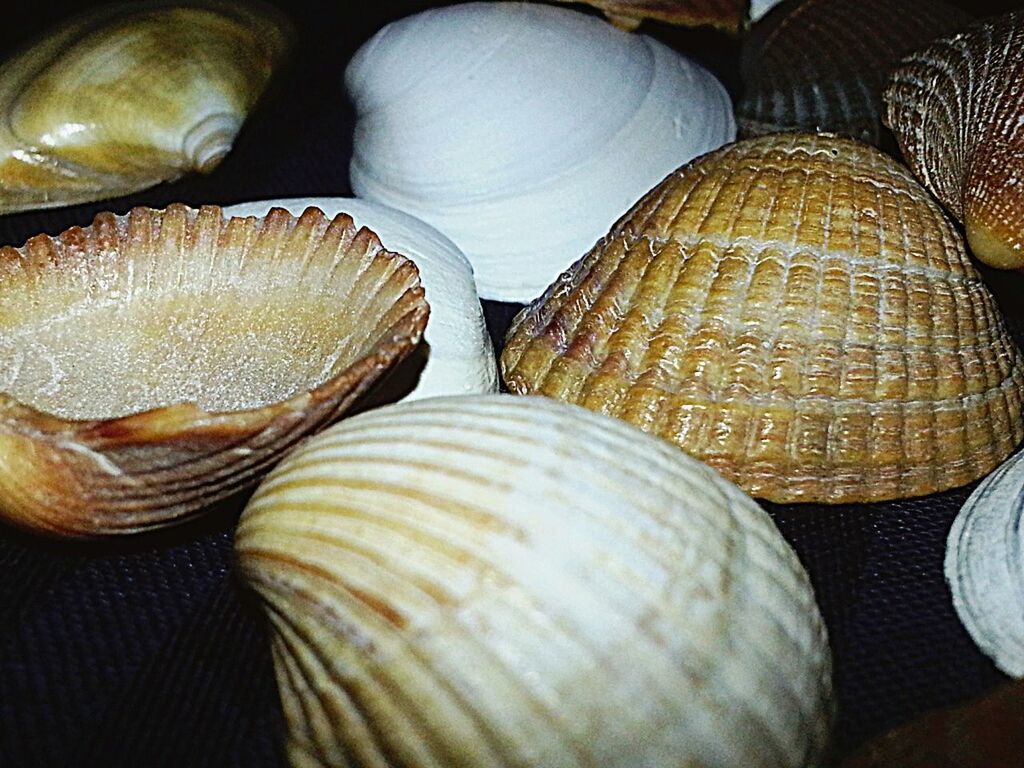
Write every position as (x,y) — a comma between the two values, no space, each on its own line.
(520,130)
(502,581)
(794,310)
(155,362)
(129,96)
(957,109)
(985,566)
(821,65)
(459,355)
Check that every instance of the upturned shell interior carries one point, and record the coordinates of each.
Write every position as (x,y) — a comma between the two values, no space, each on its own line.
(957,109)
(821,65)
(794,310)
(475,581)
(130,95)
(158,361)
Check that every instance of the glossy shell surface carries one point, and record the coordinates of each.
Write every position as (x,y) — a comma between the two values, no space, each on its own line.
(726,15)
(957,109)
(821,65)
(521,131)
(794,310)
(129,96)
(458,351)
(156,362)
(475,581)
(985,566)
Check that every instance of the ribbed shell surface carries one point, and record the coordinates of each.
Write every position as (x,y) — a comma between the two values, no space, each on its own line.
(821,65)
(794,310)
(985,566)
(957,109)
(501,581)
(153,363)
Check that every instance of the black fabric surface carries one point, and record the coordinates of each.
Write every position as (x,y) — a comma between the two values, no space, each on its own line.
(147,652)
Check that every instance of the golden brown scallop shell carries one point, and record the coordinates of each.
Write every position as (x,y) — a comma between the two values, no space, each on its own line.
(797,312)
(821,65)
(957,109)
(131,95)
(156,362)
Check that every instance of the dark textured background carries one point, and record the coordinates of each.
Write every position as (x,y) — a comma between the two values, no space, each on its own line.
(147,652)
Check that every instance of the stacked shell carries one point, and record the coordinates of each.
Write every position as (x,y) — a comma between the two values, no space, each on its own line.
(458,350)
(821,65)
(521,130)
(475,581)
(156,362)
(726,15)
(957,109)
(129,96)
(985,566)
(794,310)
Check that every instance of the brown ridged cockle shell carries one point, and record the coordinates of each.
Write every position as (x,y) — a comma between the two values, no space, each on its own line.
(725,15)
(156,362)
(797,312)
(957,109)
(821,65)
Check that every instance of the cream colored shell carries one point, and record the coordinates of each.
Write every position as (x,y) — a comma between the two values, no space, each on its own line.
(129,96)
(153,363)
(503,581)
(796,311)
(985,566)
(521,130)
(459,355)
(957,109)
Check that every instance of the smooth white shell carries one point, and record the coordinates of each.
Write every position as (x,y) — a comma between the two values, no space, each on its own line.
(522,131)
(985,566)
(758,8)
(510,581)
(461,358)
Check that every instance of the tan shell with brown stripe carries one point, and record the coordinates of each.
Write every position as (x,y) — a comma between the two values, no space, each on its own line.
(794,310)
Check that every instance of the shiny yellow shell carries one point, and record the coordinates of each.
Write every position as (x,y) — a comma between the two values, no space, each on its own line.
(796,311)
(129,96)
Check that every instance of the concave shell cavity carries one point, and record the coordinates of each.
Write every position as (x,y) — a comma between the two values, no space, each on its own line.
(159,361)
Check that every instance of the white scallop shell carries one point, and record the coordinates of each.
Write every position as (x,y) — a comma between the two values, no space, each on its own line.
(460,358)
(985,566)
(522,131)
(510,581)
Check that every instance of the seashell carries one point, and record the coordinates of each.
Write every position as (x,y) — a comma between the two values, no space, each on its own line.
(821,65)
(957,109)
(459,355)
(985,733)
(725,15)
(475,581)
(129,96)
(794,310)
(156,362)
(521,130)
(985,567)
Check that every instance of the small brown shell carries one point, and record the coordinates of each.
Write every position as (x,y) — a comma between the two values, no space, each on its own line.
(794,310)
(957,109)
(821,65)
(725,15)
(156,362)
(985,733)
